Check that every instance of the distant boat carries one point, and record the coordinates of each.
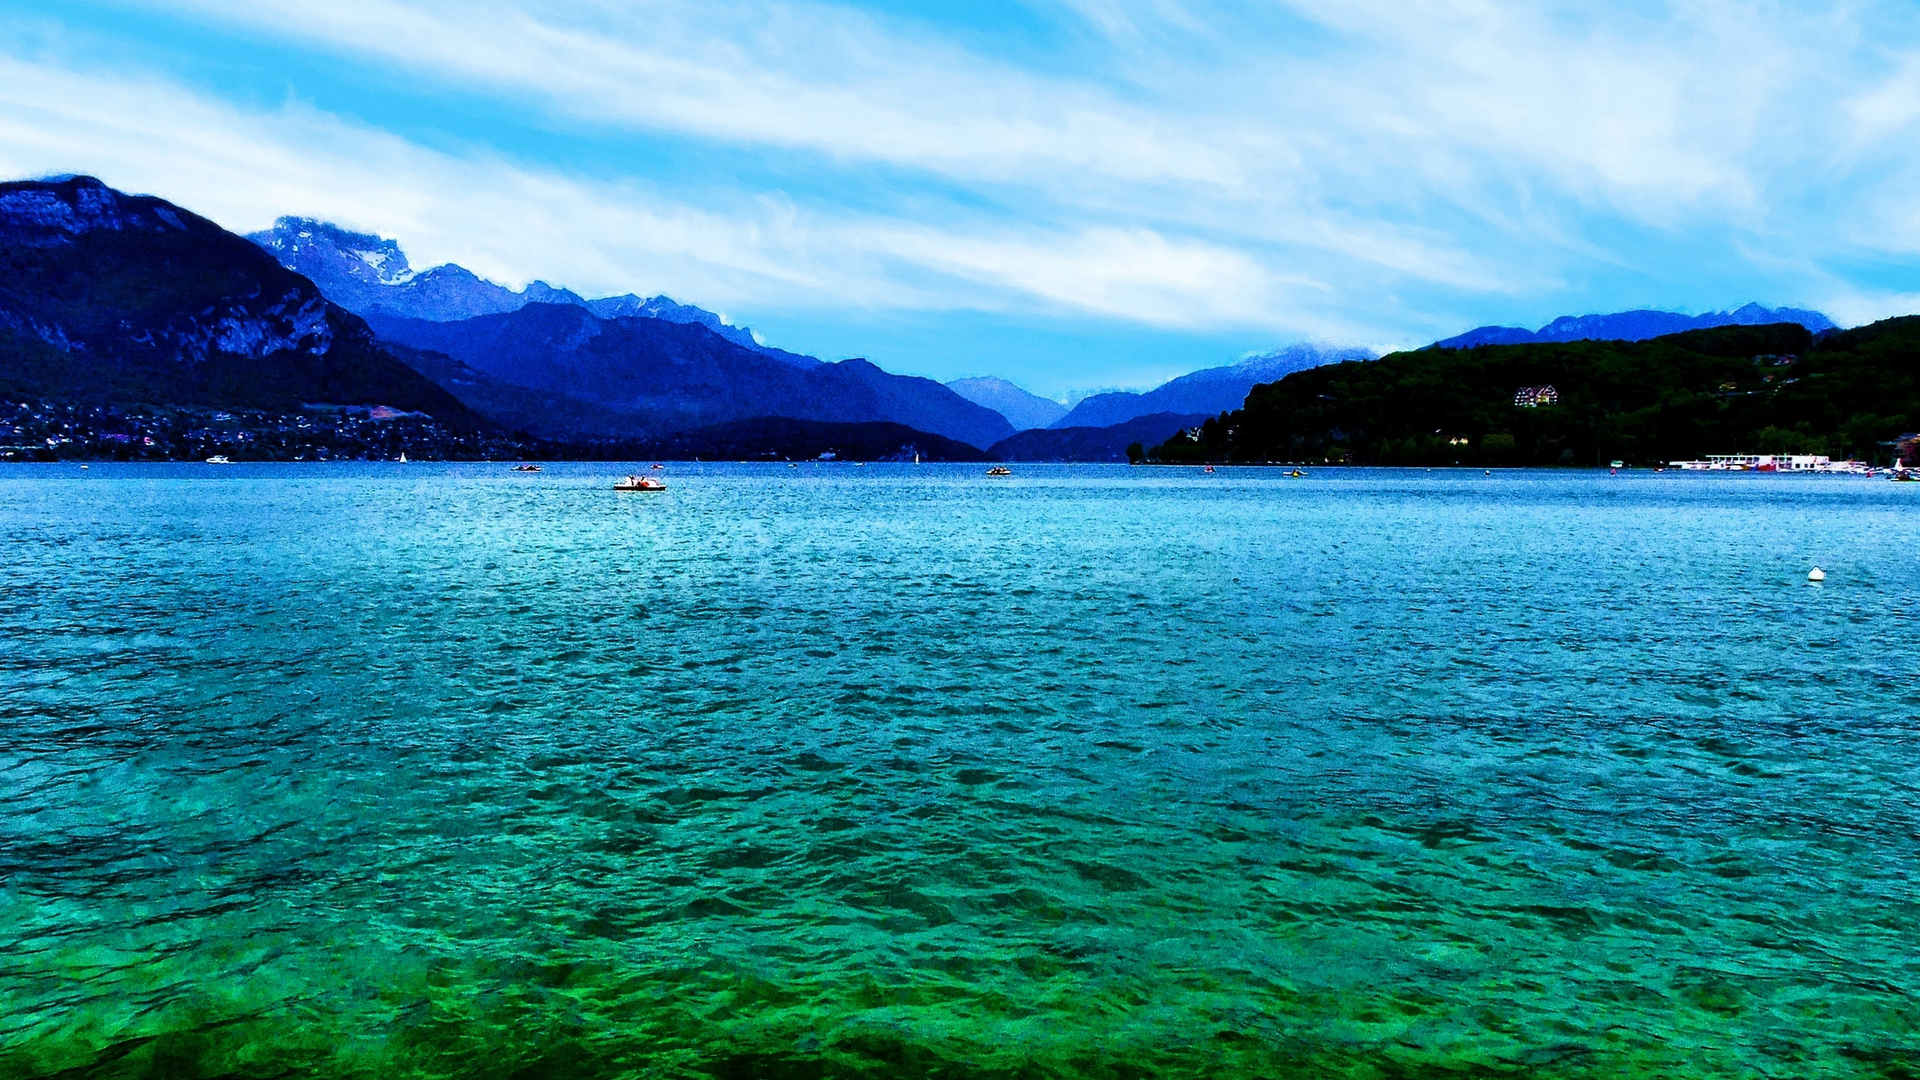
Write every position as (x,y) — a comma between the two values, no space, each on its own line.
(219,459)
(999,470)
(403,457)
(657,465)
(526,468)
(639,483)
(916,457)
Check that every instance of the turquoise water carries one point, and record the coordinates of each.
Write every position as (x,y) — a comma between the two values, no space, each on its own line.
(390,771)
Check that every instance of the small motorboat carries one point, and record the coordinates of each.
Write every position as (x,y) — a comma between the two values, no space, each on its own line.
(526,468)
(219,459)
(639,483)
(999,470)
(1208,469)
(657,465)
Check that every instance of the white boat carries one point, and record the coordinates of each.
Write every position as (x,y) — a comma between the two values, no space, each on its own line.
(219,459)
(639,483)
(403,457)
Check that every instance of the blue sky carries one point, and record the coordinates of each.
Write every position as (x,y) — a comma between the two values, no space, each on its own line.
(1068,193)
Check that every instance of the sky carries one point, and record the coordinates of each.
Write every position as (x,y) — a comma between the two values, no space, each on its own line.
(1073,194)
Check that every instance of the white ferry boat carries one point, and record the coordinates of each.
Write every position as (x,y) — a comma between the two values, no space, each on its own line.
(1774,463)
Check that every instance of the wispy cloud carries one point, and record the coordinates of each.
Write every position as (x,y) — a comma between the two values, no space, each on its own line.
(503,219)
(1379,169)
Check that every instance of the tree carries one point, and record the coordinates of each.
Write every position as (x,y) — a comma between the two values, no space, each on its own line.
(1135,453)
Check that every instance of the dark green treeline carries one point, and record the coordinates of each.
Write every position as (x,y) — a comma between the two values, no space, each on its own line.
(1734,389)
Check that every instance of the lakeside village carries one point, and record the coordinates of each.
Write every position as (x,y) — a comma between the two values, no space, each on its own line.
(40,431)
(1906,451)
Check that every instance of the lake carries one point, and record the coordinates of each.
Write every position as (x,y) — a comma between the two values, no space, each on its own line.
(441,770)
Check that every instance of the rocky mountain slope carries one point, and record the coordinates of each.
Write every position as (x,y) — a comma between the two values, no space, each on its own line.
(370,275)
(109,297)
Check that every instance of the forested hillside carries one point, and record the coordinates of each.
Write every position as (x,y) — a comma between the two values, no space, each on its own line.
(1735,389)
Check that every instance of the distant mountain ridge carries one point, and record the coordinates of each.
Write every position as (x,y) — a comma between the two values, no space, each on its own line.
(1638,325)
(1022,409)
(1210,391)
(1089,444)
(567,373)
(119,299)
(369,274)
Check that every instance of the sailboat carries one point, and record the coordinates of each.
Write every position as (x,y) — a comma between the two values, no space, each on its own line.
(403,457)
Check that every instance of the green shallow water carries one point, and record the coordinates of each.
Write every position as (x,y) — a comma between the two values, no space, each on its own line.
(396,771)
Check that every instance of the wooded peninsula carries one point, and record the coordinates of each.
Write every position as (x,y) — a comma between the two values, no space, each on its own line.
(1749,389)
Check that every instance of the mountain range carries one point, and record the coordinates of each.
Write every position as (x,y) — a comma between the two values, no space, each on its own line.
(110,298)
(636,377)
(371,275)
(1209,391)
(1637,325)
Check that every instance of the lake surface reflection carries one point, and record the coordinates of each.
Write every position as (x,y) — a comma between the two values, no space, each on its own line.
(877,771)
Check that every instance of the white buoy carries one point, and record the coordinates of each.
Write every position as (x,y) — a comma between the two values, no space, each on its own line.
(1816,574)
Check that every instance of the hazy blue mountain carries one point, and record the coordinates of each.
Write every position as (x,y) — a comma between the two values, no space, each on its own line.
(1210,391)
(1093,444)
(370,275)
(648,378)
(1634,326)
(127,299)
(1022,409)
